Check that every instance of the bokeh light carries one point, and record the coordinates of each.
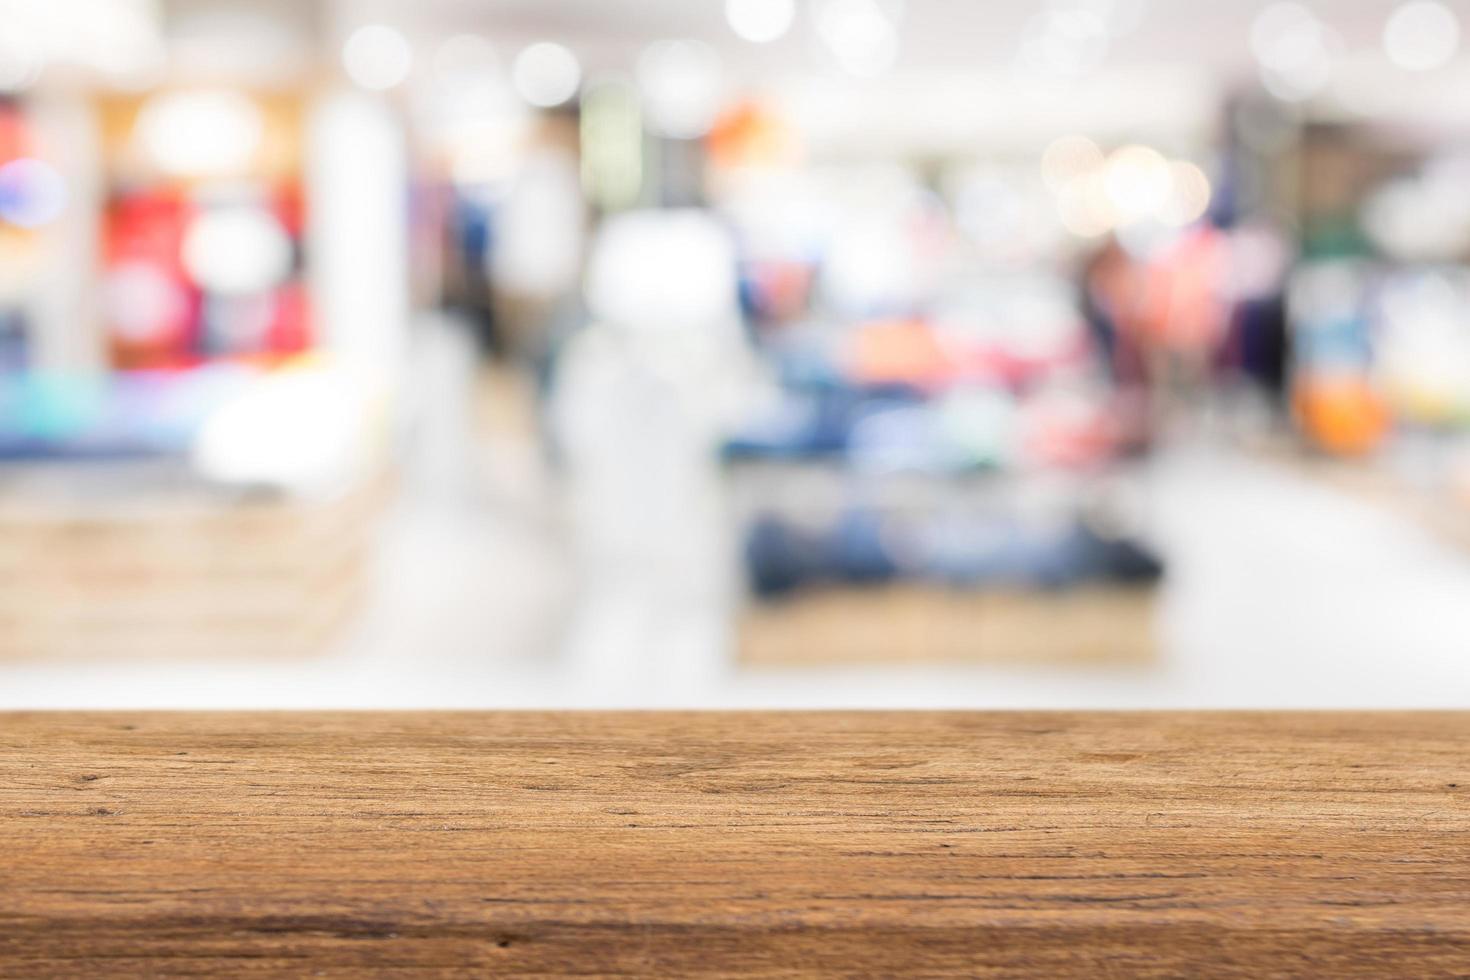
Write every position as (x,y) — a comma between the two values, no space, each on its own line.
(32,193)
(760,21)
(680,82)
(201,132)
(377,57)
(1137,181)
(237,249)
(1068,157)
(1293,49)
(546,74)
(1421,35)
(861,34)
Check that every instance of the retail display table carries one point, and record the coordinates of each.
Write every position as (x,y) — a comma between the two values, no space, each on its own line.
(764,844)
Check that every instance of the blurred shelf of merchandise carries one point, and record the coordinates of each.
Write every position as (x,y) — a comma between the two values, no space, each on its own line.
(1380,303)
(942,465)
(194,426)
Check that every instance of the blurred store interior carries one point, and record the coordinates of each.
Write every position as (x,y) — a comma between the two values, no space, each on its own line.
(928,353)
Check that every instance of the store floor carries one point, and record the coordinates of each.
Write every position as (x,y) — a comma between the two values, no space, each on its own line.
(1282,591)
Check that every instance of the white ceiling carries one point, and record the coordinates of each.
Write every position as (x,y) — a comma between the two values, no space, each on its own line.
(954,83)
(948,34)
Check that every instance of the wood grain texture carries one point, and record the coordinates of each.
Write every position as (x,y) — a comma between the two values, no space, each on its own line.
(844,844)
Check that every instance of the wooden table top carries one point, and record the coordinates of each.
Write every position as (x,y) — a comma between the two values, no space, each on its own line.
(770,844)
